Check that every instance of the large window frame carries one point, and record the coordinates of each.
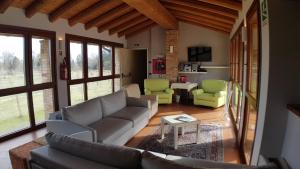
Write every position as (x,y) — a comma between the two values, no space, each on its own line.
(85,80)
(29,86)
(251,102)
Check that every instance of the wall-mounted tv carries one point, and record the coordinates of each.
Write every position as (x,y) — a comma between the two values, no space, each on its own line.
(199,54)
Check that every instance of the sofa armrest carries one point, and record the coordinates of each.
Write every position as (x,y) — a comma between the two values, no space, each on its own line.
(169,91)
(70,129)
(84,135)
(147,92)
(150,97)
(197,92)
(220,94)
(137,102)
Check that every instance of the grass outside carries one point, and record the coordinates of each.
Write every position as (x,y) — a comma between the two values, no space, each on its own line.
(14,108)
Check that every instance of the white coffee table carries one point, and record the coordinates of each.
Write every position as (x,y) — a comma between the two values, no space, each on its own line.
(178,124)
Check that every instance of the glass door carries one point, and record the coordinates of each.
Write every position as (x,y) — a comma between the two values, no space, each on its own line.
(252,84)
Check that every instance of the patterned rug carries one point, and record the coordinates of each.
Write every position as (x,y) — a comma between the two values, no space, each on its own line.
(210,147)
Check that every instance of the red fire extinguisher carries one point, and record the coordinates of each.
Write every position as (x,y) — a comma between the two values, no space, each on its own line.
(64,70)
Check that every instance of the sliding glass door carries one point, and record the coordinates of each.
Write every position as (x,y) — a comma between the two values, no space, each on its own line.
(28,79)
(253,75)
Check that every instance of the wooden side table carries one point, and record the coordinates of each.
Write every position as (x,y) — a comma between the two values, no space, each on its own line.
(19,156)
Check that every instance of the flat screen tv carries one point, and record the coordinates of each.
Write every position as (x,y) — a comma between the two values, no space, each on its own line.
(199,54)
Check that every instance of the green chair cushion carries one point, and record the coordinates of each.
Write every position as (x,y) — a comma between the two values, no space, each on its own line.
(214,86)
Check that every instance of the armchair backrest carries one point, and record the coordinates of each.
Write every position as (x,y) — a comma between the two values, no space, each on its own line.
(133,90)
(214,86)
(156,85)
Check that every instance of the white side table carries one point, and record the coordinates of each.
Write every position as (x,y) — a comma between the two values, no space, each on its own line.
(173,122)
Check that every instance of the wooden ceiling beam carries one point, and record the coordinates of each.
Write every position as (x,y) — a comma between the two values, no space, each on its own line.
(53,16)
(34,7)
(199,19)
(108,16)
(155,11)
(205,26)
(202,24)
(135,28)
(103,6)
(200,13)
(4,4)
(231,4)
(140,30)
(121,20)
(205,7)
(127,25)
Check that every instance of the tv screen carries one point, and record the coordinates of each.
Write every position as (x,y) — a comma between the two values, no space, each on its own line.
(199,54)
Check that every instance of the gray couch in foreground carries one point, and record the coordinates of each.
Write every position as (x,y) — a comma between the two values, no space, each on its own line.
(112,119)
(64,152)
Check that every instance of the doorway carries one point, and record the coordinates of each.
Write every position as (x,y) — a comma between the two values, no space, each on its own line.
(133,65)
(139,68)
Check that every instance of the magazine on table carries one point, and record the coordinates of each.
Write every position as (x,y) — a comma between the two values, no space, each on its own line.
(184,119)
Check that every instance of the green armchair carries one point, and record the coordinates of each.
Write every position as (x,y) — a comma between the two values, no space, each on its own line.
(159,87)
(213,93)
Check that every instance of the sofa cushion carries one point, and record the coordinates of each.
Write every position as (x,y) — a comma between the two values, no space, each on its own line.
(155,85)
(113,102)
(109,129)
(213,86)
(207,96)
(52,158)
(134,114)
(83,113)
(151,161)
(133,90)
(115,156)
(162,95)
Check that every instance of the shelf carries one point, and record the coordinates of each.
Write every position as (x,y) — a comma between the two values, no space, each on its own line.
(215,67)
(192,72)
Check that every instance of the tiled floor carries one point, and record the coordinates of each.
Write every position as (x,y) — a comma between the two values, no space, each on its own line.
(205,115)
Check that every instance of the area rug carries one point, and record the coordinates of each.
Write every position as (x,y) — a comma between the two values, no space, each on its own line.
(210,147)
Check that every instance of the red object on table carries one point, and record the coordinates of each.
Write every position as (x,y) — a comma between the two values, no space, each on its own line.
(182,79)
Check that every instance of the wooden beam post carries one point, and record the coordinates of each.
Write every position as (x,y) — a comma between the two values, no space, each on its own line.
(235,5)
(140,30)
(135,28)
(53,16)
(199,13)
(128,24)
(205,7)
(100,7)
(34,7)
(154,10)
(4,4)
(121,20)
(110,15)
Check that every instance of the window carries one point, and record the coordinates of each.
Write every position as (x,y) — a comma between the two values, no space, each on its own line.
(107,60)
(28,82)
(76,60)
(94,70)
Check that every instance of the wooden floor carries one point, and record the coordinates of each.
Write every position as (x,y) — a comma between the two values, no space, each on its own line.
(204,114)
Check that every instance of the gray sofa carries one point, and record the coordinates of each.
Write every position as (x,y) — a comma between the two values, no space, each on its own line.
(68,153)
(112,119)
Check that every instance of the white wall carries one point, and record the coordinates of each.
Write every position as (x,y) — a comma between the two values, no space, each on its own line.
(16,17)
(284,79)
(189,35)
(153,40)
(291,148)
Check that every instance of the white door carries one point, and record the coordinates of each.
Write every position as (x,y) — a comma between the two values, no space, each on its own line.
(125,56)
